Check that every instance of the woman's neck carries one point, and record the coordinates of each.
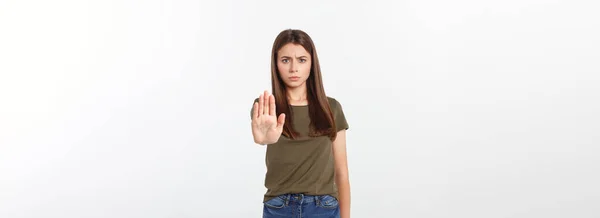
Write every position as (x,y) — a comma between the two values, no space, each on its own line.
(297,96)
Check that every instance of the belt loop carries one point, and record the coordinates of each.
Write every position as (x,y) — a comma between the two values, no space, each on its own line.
(317,200)
(287,200)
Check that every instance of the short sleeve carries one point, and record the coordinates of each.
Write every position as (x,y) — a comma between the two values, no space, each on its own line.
(340,118)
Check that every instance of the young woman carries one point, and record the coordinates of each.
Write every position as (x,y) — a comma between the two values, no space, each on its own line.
(305,134)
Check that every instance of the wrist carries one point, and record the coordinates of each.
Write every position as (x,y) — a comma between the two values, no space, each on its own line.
(261,142)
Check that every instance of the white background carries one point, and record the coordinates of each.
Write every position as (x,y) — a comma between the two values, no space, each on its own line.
(463,109)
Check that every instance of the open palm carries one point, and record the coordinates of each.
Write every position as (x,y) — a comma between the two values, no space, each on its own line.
(266,127)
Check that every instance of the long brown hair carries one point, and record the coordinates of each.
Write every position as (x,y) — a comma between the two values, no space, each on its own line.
(321,117)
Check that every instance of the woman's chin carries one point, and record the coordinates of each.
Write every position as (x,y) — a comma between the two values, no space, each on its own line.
(294,84)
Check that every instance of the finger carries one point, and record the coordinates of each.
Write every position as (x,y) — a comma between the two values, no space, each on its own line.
(255,110)
(266,103)
(260,105)
(281,120)
(272,105)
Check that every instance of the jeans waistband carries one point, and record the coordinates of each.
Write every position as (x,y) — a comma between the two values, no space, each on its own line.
(300,198)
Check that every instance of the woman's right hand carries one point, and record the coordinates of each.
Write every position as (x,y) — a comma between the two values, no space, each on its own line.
(266,127)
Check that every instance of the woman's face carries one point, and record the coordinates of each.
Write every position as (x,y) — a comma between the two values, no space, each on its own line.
(293,64)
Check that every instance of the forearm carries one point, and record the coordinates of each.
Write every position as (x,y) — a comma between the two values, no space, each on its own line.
(343,185)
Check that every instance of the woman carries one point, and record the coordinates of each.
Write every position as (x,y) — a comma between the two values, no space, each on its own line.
(305,134)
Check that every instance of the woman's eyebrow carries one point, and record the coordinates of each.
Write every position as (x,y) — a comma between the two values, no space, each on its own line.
(297,57)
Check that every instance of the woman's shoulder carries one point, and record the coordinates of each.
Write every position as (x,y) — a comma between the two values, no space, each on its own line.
(333,102)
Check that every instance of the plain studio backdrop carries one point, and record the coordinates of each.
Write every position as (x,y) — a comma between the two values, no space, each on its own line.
(457,109)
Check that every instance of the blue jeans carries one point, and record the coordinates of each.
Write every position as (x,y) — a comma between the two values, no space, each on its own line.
(301,206)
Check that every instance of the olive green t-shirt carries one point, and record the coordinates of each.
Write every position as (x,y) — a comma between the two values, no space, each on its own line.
(306,164)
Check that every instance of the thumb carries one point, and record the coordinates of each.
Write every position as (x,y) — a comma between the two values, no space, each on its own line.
(281,120)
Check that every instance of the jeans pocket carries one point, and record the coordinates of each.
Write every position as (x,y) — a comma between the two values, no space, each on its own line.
(328,201)
(276,202)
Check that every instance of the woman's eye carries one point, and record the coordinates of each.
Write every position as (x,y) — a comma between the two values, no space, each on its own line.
(302,60)
(284,60)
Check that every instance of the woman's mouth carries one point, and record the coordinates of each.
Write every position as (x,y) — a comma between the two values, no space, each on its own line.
(294,78)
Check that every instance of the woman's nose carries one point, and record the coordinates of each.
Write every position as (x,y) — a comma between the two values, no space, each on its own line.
(293,67)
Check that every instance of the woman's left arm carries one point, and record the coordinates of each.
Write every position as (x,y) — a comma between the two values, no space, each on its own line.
(341,173)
